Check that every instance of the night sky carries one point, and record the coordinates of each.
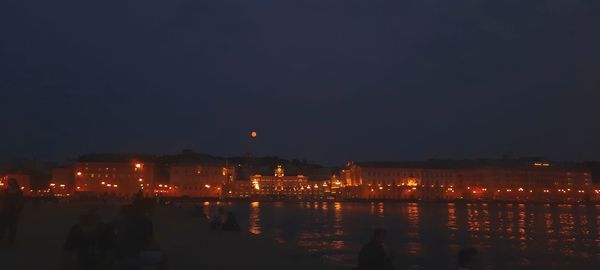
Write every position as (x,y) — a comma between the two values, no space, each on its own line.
(324,80)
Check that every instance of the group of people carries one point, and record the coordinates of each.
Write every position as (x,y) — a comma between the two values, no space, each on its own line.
(375,255)
(224,222)
(127,242)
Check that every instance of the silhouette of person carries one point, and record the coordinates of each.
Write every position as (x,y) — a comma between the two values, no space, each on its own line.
(139,197)
(231,223)
(11,205)
(199,212)
(374,255)
(469,259)
(89,245)
(132,231)
(217,222)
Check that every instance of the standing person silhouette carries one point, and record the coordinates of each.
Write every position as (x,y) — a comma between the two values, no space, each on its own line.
(11,204)
(89,245)
(374,255)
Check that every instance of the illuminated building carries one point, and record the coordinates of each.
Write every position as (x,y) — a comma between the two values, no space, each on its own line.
(114,178)
(467,180)
(199,180)
(277,185)
(23,180)
(63,180)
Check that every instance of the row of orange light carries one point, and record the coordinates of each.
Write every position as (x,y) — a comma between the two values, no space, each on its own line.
(510,190)
(61,185)
(109,185)
(410,190)
(137,166)
(410,184)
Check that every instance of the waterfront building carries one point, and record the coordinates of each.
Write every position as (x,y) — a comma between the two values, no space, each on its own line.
(467,180)
(278,185)
(118,178)
(24,181)
(62,181)
(199,180)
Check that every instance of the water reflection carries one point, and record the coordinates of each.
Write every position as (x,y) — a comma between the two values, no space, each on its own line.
(451,224)
(381,210)
(513,236)
(254,218)
(337,226)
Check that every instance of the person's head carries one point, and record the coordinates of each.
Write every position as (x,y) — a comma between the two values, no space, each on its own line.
(89,220)
(469,258)
(13,184)
(379,235)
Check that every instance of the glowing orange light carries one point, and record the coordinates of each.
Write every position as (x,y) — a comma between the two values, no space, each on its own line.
(79,173)
(253,134)
(141,180)
(138,165)
(207,186)
(412,183)
(115,185)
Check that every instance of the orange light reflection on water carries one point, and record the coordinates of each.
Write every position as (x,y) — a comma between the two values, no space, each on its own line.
(254,218)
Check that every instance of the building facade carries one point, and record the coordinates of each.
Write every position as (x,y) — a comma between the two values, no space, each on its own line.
(63,181)
(278,185)
(524,181)
(113,178)
(199,180)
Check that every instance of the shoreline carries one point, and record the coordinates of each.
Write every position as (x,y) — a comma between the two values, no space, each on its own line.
(202,200)
(231,250)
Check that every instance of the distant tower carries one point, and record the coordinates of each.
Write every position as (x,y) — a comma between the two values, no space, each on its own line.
(279,172)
